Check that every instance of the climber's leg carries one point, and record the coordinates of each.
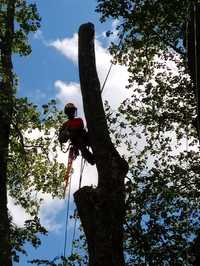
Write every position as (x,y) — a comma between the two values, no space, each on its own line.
(87,155)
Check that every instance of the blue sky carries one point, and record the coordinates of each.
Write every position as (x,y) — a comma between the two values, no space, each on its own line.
(60,19)
(51,72)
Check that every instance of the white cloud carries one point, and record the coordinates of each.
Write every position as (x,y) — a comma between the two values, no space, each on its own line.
(68,92)
(114,90)
(89,176)
(114,36)
(67,47)
(49,210)
(18,213)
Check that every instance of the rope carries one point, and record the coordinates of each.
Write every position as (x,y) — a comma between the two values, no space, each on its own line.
(74,232)
(81,172)
(75,212)
(111,65)
(67,218)
(67,215)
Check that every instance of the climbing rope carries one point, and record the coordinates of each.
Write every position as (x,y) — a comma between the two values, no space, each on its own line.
(111,65)
(67,215)
(75,212)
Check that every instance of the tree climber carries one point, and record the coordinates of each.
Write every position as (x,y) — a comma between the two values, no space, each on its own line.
(73,130)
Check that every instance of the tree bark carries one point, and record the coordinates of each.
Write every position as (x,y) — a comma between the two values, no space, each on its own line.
(101,210)
(6,107)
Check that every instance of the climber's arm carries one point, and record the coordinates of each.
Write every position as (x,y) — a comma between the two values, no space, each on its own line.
(64,134)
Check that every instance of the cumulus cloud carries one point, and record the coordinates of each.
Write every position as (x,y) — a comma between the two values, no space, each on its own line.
(71,44)
(114,90)
(49,210)
(18,213)
(69,92)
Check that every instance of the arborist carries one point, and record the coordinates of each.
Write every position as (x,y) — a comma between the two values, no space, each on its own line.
(73,130)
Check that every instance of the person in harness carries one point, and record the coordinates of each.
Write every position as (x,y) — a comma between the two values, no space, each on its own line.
(73,130)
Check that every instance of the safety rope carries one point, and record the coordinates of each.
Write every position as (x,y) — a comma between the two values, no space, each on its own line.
(67,218)
(111,65)
(67,215)
(75,212)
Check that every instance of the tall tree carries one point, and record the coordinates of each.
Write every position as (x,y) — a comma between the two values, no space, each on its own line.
(6,98)
(101,210)
(11,40)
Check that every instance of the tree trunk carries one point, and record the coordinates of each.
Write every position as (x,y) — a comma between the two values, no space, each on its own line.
(6,106)
(101,210)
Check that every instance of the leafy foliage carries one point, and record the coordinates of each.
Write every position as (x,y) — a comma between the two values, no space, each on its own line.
(154,129)
(150,27)
(33,168)
(157,131)
(26,20)
(28,233)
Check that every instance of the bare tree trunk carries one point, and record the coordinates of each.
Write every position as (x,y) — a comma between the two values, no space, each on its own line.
(101,210)
(6,106)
